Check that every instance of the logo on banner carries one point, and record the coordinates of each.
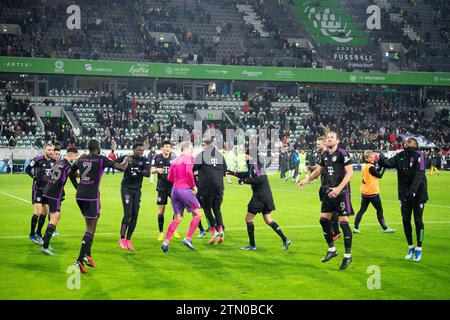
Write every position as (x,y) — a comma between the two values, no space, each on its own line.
(330,25)
(252,73)
(169,70)
(12,64)
(59,66)
(89,67)
(141,69)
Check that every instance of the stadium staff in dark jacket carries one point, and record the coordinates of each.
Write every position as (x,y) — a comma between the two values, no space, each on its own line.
(211,167)
(283,160)
(412,191)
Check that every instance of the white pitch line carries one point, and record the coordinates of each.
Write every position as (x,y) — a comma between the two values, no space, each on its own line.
(12,196)
(235,229)
(275,189)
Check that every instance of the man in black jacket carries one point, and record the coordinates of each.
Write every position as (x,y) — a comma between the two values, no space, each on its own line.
(283,163)
(211,167)
(412,191)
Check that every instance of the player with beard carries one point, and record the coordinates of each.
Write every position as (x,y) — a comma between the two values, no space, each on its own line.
(39,169)
(336,163)
(54,193)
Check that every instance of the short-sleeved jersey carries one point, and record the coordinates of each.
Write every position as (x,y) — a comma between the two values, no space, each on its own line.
(58,177)
(91,170)
(335,164)
(137,169)
(41,171)
(160,162)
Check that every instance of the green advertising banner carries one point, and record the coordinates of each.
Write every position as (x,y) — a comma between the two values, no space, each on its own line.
(214,72)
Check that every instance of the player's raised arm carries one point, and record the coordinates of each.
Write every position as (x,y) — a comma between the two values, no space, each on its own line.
(377,173)
(239,174)
(121,166)
(388,163)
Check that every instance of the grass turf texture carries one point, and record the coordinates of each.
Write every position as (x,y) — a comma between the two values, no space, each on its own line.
(225,272)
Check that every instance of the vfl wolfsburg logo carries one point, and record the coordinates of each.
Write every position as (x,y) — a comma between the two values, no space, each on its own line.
(352,78)
(328,23)
(169,70)
(59,64)
(436,79)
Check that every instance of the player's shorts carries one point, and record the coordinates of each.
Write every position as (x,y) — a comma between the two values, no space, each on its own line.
(54,204)
(162,197)
(90,209)
(257,205)
(341,204)
(184,199)
(322,193)
(38,197)
(131,200)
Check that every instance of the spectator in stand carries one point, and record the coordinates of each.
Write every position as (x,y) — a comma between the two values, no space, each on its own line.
(112,156)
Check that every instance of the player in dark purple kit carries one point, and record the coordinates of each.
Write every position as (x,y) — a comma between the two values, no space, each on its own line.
(138,168)
(54,193)
(39,169)
(336,163)
(91,169)
(161,165)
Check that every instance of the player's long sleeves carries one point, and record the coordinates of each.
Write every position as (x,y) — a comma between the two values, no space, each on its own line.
(225,167)
(419,173)
(240,175)
(389,163)
(73,179)
(29,170)
(248,177)
(146,172)
(377,173)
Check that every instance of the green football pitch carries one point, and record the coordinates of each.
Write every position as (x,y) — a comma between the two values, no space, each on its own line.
(225,272)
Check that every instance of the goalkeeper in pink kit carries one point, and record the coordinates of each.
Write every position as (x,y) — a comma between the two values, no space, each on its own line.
(181,174)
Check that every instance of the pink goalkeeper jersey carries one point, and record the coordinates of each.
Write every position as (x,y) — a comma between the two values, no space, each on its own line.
(181,172)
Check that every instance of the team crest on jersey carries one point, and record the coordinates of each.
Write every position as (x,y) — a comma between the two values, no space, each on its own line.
(334,158)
